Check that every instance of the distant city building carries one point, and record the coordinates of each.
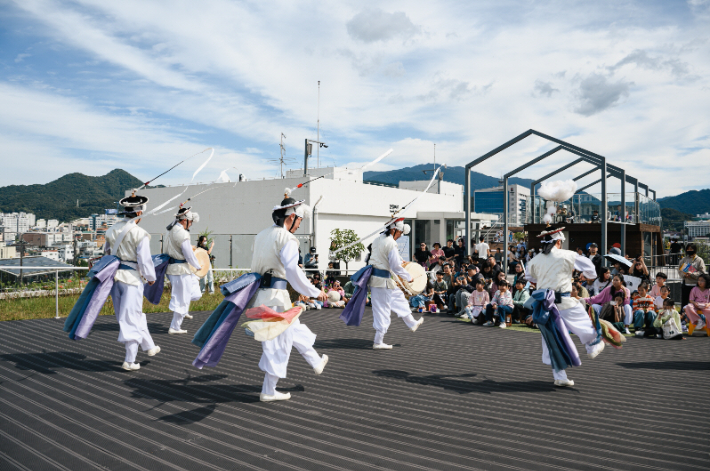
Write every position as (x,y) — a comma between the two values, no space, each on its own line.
(50,254)
(41,224)
(7,252)
(16,223)
(490,200)
(697,228)
(705,216)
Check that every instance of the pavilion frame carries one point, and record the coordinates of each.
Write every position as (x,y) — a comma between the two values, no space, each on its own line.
(597,160)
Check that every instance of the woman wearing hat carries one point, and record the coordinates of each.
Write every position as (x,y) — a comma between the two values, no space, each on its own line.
(185,286)
(386,296)
(555,311)
(131,244)
(276,259)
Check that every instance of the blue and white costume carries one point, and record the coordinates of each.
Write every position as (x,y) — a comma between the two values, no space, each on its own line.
(185,286)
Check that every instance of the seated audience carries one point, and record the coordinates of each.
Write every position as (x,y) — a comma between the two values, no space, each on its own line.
(660,283)
(669,317)
(699,307)
(644,313)
(519,297)
(607,294)
(440,289)
(501,305)
(477,302)
(613,311)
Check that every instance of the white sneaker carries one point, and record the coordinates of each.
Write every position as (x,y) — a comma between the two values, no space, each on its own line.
(172,331)
(276,397)
(153,351)
(659,336)
(188,316)
(564,382)
(489,324)
(324,361)
(596,350)
(626,331)
(130,366)
(640,333)
(416,326)
(699,325)
(381,346)
(502,325)
(318,307)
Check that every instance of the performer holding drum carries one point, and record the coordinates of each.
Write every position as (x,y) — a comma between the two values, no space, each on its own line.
(385,263)
(184,283)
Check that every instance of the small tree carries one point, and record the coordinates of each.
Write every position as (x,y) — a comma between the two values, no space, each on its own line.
(519,236)
(207,233)
(341,238)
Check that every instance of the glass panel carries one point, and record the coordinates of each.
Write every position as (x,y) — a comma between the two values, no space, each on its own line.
(422,233)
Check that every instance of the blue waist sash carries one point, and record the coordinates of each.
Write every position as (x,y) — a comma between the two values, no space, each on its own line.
(276,283)
(125,267)
(559,296)
(381,273)
(174,260)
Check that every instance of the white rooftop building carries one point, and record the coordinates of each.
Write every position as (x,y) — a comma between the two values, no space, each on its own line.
(236,212)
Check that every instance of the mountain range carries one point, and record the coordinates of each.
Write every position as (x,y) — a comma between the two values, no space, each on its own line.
(451,174)
(58,199)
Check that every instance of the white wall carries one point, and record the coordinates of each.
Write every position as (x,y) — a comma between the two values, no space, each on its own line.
(245,208)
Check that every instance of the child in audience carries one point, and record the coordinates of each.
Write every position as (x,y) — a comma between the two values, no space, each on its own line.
(521,295)
(644,313)
(478,301)
(666,315)
(660,283)
(338,289)
(440,289)
(665,293)
(501,305)
(613,311)
(420,301)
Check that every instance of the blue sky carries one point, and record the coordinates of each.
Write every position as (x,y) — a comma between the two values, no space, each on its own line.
(88,85)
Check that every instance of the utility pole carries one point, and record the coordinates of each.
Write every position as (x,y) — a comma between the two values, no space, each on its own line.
(22,257)
(318,128)
(283,151)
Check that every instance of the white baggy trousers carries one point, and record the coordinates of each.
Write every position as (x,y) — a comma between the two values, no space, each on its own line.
(384,302)
(577,321)
(276,352)
(184,289)
(128,305)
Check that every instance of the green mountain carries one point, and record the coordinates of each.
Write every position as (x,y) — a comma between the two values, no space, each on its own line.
(451,174)
(58,199)
(693,202)
(673,219)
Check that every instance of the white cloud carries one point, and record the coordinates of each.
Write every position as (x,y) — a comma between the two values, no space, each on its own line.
(373,25)
(597,93)
(459,75)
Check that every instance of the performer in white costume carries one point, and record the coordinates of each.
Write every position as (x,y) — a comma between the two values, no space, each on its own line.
(131,244)
(276,259)
(185,286)
(386,296)
(552,269)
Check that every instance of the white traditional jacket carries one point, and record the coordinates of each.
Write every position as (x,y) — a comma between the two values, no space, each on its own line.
(128,253)
(385,256)
(554,271)
(173,246)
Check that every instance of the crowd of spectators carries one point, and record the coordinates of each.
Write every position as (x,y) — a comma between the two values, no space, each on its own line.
(479,289)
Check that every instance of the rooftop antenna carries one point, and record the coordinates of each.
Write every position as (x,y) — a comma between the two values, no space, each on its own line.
(441,173)
(318,128)
(282,159)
